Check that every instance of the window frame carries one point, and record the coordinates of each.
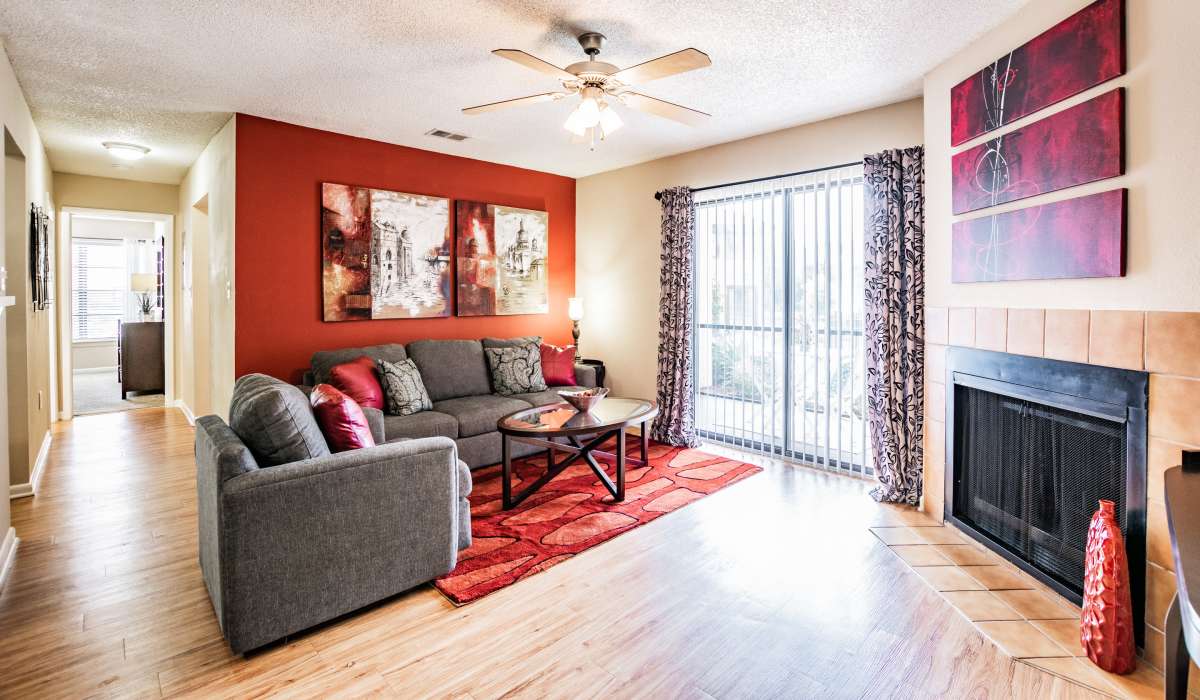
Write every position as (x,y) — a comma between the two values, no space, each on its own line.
(79,317)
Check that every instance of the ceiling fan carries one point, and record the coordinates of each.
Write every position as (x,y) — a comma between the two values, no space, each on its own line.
(594,81)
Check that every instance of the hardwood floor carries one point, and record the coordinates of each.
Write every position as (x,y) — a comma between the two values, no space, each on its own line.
(771,588)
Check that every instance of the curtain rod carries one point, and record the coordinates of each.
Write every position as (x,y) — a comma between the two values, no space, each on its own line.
(658,195)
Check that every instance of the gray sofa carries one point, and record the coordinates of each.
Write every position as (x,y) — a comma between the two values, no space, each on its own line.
(285,547)
(456,375)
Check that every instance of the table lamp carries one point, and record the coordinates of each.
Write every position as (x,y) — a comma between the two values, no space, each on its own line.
(575,313)
(143,284)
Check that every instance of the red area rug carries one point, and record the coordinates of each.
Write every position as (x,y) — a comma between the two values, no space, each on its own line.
(572,513)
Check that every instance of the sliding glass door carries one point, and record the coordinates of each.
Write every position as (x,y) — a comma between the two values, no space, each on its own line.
(779,317)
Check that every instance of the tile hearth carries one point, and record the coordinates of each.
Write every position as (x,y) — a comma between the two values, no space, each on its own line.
(1021,616)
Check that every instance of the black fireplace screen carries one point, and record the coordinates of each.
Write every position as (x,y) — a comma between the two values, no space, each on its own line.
(1033,476)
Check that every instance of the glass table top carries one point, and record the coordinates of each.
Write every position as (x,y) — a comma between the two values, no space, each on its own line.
(559,417)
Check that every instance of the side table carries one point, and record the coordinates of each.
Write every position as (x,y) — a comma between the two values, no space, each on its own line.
(598,365)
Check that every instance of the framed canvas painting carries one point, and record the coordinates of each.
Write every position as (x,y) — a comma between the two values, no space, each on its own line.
(502,254)
(1069,239)
(1076,146)
(1080,52)
(384,254)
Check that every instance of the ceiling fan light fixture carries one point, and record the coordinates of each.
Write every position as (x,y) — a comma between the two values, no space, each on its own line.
(610,121)
(576,124)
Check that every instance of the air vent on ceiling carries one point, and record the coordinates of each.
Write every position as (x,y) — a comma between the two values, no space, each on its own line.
(446,135)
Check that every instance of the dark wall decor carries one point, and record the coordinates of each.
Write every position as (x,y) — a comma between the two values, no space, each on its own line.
(1081,237)
(1078,145)
(39,257)
(1080,52)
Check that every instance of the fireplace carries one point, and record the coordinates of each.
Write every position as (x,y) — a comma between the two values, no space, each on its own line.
(1032,445)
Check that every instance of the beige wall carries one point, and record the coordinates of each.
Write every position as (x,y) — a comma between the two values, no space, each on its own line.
(71,190)
(206,215)
(26,353)
(1162,136)
(1131,322)
(617,224)
(101,355)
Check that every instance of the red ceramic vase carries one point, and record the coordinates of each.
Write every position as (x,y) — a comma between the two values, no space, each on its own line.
(1106,625)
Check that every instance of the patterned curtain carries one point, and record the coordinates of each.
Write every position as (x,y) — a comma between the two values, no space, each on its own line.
(676,421)
(895,319)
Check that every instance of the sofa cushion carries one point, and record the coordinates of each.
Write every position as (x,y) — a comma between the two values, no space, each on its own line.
(516,370)
(342,421)
(403,388)
(359,379)
(478,414)
(547,397)
(511,342)
(275,421)
(420,425)
(451,368)
(326,360)
(558,365)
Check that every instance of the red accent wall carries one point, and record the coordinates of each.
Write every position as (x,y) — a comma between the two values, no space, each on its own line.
(280,168)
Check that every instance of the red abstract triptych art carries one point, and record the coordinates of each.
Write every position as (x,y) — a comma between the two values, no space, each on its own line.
(1081,237)
(1073,147)
(1082,51)
(1075,238)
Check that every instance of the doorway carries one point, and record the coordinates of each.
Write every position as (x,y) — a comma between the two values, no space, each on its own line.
(117,322)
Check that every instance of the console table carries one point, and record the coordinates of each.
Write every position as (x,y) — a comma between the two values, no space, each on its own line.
(140,356)
(1182,487)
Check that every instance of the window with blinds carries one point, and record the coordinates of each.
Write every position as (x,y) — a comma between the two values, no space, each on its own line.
(98,288)
(779,357)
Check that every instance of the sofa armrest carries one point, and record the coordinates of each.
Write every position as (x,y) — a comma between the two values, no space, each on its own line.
(585,375)
(308,541)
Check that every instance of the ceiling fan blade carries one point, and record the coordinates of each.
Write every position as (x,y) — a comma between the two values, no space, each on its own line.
(662,108)
(531,61)
(663,66)
(493,106)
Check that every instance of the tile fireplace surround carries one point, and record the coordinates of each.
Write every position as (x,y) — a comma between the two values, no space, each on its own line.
(1165,344)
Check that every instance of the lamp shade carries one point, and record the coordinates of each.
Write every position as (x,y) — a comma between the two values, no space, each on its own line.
(575,308)
(144,282)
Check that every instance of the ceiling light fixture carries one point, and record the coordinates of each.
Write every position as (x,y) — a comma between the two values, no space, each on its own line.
(126,151)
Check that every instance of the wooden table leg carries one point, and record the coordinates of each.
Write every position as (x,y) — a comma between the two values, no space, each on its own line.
(620,495)
(507,472)
(1177,655)
(646,443)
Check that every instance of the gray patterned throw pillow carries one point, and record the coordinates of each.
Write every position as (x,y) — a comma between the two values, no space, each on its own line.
(516,370)
(403,388)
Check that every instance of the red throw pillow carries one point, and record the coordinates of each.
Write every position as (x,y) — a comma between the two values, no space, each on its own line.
(358,380)
(341,419)
(558,365)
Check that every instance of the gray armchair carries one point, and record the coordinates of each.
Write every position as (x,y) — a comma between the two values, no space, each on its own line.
(286,547)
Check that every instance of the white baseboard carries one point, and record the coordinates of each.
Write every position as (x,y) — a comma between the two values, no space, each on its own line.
(35,475)
(96,370)
(8,554)
(187,412)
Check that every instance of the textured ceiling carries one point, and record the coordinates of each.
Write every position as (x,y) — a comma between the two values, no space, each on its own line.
(167,74)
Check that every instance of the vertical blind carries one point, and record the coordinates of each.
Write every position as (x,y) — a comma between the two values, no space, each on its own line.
(779,318)
(98,285)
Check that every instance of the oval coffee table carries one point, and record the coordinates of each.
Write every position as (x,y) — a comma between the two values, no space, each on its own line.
(540,425)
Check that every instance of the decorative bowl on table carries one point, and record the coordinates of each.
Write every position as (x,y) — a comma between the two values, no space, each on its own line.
(584,401)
